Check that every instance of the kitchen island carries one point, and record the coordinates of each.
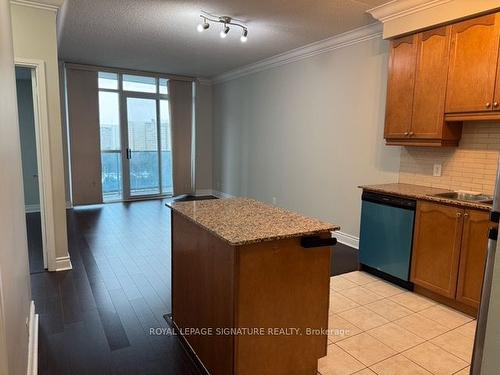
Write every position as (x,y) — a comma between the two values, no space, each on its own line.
(250,286)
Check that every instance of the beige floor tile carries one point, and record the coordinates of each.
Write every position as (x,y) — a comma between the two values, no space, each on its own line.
(338,283)
(360,277)
(338,362)
(412,301)
(363,318)
(399,365)
(446,316)
(366,349)
(365,371)
(465,371)
(435,359)
(395,337)
(384,288)
(389,309)
(468,330)
(421,326)
(361,295)
(340,329)
(456,344)
(340,303)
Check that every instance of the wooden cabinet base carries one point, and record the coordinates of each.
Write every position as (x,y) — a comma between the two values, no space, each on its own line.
(453,303)
(473,116)
(277,289)
(423,142)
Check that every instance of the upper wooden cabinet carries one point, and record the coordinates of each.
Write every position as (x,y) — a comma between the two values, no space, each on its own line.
(473,65)
(400,86)
(441,77)
(416,91)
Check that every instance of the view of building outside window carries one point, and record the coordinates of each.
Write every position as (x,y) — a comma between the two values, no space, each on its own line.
(150,152)
(111,155)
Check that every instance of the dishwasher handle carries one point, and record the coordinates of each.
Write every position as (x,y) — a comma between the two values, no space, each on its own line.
(389,200)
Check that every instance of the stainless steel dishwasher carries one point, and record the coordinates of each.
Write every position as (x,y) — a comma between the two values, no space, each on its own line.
(386,236)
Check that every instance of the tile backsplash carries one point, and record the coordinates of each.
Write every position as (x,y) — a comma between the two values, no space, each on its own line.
(470,166)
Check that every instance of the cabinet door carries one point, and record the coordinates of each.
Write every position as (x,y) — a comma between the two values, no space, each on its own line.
(436,247)
(473,64)
(400,86)
(473,257)
(430,83)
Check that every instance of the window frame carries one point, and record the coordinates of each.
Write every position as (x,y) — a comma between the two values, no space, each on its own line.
(122,98)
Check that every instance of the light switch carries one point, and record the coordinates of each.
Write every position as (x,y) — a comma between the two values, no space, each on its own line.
(436,171)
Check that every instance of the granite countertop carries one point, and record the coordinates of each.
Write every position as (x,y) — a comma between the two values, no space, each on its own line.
(241,221)
(422,193)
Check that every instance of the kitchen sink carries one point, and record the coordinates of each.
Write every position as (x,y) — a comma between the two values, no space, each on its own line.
(466,197)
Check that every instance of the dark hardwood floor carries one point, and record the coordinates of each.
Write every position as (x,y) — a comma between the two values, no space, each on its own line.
(344,259)
(35,248)
(96,318)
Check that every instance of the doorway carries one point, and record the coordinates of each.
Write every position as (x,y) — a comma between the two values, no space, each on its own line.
(134,118)
(28,134)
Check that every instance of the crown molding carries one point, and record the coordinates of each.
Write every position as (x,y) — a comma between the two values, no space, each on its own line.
(204,81)
(399,8)
(346,39)
(52,6)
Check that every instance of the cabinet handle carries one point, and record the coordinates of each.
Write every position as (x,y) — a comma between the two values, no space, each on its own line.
(411,134)
(488,105)
(466,215)
(495,104)
(406,133)
(459,214)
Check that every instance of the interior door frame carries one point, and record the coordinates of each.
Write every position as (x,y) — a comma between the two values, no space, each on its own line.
(125,141)
(42,139)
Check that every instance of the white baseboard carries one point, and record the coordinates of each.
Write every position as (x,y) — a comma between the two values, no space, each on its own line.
(203,192)
(63,263)
(215,193)
(32,208)
(347,239)
(32,341)
(221,194)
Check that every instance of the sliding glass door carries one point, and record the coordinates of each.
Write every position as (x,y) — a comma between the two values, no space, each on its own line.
(143,146)
(135,136)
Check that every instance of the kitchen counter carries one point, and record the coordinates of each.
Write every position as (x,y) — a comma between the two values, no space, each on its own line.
(422,193)
(241,221)
(240,273)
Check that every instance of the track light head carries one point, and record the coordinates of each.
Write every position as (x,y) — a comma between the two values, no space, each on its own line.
(244,36)
(203,26)
(224,31)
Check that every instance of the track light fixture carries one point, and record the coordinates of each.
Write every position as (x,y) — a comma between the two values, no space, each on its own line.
(225,21)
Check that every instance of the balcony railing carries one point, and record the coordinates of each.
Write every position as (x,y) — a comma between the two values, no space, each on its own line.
(144,173)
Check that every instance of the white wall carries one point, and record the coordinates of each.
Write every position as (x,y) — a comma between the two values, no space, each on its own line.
(307,133)
(34,35)
(14,274)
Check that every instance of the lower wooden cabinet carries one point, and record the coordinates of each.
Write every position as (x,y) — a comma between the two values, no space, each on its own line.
(436,247)
(449,251)
(472,257)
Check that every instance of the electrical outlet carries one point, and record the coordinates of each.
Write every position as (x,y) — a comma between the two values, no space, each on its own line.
(436,171)
(274,201)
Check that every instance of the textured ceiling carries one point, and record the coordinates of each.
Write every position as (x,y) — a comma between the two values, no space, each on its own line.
(161,36)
